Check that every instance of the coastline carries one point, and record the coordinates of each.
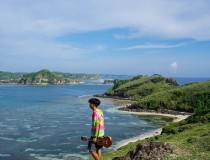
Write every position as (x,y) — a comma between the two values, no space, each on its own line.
(124,103)
(176,118)
(137,138)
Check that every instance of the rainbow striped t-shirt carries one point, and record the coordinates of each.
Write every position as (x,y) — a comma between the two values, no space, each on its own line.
(97,118)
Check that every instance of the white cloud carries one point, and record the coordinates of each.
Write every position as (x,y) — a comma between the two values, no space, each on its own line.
(170,19)
(32,28)
(174,66)
(153,46)
(98,47)
(34,47)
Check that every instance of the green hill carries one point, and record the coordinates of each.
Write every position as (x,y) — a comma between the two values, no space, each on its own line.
(192,97)
(190,138)
(141,86)
(45,77)
(10,76)
(154,92)
(42,77)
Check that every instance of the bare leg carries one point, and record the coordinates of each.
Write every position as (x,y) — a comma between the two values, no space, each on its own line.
(95,155)
(99,153)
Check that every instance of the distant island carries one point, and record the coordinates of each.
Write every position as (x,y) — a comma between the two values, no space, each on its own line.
(43,77)
(46,77)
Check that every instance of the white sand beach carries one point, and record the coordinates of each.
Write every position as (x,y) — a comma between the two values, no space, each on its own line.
(124,103)
(140,137)
(158,131)
(177,118)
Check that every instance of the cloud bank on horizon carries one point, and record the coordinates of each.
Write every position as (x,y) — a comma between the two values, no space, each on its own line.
(119,37)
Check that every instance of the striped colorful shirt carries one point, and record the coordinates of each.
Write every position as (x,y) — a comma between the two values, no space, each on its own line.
(97,118)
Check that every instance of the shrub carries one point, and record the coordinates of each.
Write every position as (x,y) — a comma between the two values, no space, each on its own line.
(170,129)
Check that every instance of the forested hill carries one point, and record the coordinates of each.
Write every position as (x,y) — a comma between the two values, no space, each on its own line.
(141,86)
(154,92)
(10,76)
(44,77)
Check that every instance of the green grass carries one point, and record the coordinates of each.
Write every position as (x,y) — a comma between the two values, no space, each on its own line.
(155,91)
(43,74)
(190,139)
(191,97)
(189,144)
(9,76)
(192,142)
(141,86)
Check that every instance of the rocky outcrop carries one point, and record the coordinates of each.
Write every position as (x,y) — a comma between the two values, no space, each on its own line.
(12,81)
(108,81)
(136,108)
(148,151)
(47,81)
(114,97)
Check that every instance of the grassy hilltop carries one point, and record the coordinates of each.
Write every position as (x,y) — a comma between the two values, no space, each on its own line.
(44,77)
(190,138)
(141,86)
(153,92)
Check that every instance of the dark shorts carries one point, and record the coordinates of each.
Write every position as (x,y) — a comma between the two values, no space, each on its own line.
(93,147)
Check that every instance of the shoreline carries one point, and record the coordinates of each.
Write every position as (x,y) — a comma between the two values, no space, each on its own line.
(137,138)
(124,103)
(176,118)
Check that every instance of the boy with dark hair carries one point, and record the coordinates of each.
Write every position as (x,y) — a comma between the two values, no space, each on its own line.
(97,129)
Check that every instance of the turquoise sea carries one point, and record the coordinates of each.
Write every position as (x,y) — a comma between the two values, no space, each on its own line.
(46,122)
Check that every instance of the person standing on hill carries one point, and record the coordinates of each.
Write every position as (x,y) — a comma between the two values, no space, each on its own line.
(97,129)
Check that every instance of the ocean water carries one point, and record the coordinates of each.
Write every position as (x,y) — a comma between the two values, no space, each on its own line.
(46,122)
(187,80)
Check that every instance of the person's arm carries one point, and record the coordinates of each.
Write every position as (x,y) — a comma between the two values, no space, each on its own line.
(96,133)
(97,129)
(96,125)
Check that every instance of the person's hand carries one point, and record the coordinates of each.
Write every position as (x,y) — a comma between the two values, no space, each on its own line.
(94,140)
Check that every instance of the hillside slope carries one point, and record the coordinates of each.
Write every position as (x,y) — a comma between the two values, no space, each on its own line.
(141,86)
(156,92)
(189,140)
(42,77)
(192,97)
(10,76)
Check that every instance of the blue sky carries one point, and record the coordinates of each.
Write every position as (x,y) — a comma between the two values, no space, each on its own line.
(136,37)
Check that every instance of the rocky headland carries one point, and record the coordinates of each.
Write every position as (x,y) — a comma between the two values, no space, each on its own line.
(161,110)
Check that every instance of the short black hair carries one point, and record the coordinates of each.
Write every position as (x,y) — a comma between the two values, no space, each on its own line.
(95,101)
